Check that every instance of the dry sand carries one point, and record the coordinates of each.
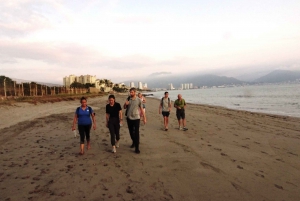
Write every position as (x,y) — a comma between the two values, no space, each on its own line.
(225,155)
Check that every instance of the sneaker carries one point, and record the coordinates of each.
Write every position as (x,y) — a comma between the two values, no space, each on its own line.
(180,128)
(117,144)
(137,151)
(114,150)
(185,129)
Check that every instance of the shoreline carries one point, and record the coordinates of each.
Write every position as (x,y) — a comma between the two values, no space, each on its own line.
(13,110)
(236,110)
(268,99)
(225,155)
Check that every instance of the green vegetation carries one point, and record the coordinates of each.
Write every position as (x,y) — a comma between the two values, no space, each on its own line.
(79,85)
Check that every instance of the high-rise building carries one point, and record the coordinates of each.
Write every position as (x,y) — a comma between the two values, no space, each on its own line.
(83,79)
(187,86)
(145,86)
(68,80)
(170,87)
(140,85)
(131,84)
(191,85)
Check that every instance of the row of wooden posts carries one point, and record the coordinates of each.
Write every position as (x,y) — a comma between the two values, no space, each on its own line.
(33,89)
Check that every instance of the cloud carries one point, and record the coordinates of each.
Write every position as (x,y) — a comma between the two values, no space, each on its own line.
(46,52)
(23,17)
(68,55)
(156,74)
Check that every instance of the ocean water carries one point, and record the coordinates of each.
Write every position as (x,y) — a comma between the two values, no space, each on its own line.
(280,99)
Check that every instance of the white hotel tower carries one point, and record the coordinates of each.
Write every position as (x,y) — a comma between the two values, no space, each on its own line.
(140,85)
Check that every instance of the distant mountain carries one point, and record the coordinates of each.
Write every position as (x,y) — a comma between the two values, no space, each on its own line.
(279,76)
(197,80)
(250,77)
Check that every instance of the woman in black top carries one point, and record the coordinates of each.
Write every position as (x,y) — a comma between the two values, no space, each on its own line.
(113,121)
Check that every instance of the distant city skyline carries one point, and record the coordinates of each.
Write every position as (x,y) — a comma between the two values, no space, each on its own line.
(140,85)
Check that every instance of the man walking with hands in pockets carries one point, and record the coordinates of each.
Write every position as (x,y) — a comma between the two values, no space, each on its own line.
(165,109)
(134,106)
(180,105)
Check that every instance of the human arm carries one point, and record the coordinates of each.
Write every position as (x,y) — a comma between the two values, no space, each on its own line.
(120,113)
(94,120)
(144,115)
(121,116)
(126,104)
(106,119)
(74,122)
(159,109)
(176,106)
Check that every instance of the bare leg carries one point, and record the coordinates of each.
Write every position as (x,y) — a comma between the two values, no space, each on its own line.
(167,122)
(88,144)
(179,122)
(81,149)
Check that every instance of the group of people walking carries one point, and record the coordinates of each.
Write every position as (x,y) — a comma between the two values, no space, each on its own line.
(135,112)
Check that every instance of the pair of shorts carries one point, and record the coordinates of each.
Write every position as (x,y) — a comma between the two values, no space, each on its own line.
(180,114)
(165,114)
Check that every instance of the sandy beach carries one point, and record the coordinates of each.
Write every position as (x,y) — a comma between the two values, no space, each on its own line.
(225,155)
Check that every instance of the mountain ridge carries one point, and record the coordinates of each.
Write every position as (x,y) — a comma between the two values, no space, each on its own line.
(211,80)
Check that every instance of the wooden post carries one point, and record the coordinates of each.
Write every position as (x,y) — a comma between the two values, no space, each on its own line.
(22,90)
(15,88)
(29,89)
(36,89)
(4,88)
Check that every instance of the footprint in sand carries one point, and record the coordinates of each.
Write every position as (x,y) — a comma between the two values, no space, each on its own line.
(292,184)
(259,175)
(240,167)
(208,166)
(292,153)
(237,187)
(278,186)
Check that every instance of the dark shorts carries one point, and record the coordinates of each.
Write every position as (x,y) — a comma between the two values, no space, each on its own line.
(165,114)
(180,114)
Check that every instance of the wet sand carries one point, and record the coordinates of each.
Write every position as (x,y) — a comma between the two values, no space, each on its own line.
(225,155)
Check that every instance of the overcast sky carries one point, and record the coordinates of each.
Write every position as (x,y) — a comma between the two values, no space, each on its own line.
(45,40)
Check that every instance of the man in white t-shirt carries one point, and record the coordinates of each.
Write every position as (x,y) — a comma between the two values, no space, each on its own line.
(165,109)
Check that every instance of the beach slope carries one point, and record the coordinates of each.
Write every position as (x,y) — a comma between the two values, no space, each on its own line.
(225,155)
